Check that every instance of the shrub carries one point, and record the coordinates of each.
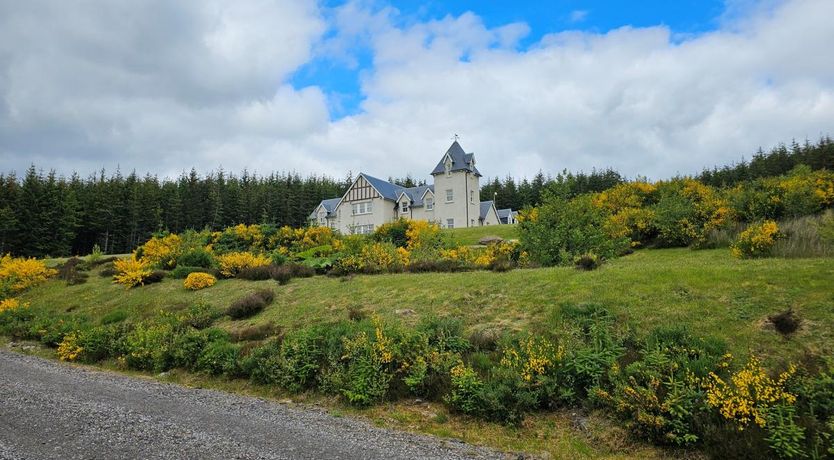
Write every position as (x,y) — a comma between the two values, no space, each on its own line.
(757,240)
(219,358)
(162,251)
(259,273)
(255,332)
(301,271)
(282,274)
(188,346)
(250,304)
(748,394)
(19,274)
(149,346)
(108,272)
(156,276)
(11,304)
(563,229)
(440,265)
(72,271)
(95,256)
(182,271)
(466,390)
(393,232)
(196,257)
(587,262)
(232,263)
(200,316)
(131,272)
(69,349)
(198,280)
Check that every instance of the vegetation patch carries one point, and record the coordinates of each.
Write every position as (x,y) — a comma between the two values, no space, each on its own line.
(251,304)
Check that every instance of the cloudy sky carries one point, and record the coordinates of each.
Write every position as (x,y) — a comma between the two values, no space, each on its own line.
(654,88)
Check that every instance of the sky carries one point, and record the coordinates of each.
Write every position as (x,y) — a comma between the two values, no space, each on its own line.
(650,88)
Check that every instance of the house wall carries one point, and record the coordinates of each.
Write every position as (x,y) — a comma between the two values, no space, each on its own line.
(492,217)
(361,191)
(461,182)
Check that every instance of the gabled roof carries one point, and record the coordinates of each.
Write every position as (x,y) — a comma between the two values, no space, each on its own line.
(504,213)
(485,208)
(388,190)
(329,206)
(461,161)
(416,194)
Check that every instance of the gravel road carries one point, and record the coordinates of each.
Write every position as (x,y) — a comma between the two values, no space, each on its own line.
(51,410)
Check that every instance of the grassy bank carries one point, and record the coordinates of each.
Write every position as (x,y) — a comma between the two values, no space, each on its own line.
(471,235)
(708,291)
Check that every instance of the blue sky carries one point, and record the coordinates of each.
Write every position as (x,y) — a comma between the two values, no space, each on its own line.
(686,18)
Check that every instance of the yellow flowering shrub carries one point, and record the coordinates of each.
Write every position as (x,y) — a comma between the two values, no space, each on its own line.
(502,251)
(162,251)
(757,240)
(381,257)
(197,280)
(19,273)
(532,357)
(748,393)
(421,233)
(11,304)
(131,272)
(232,263)
(528,215)
(459,254)
(69,348)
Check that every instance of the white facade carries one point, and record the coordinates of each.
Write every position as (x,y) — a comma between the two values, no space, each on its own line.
(453,199)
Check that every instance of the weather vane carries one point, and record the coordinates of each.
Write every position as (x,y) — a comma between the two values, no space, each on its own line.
(455,137)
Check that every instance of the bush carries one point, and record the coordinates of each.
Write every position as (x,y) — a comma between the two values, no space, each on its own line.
(259,273)
(198,280)
(563,229)
(188,346)
(95,256)
(281,274)
(131,272)
(393,232)
(156,276)
(219,357)
(587,262)
(19,274)
(234,262)
(440,265)
(72,271)
(108,272)
(196,257)
(250,304)
(149,346)
(255,332)
(757,240)
(301,271)
(182,271)
(161,251)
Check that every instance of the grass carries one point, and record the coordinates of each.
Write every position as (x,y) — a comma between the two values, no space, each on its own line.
(708,291)
(471,235)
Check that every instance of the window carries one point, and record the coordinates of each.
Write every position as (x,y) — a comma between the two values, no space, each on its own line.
(471,222)
(429,204)
(363,229)
(450,223)
(450,195)
(404,206)
(448,166)
(363,208)
(471,196)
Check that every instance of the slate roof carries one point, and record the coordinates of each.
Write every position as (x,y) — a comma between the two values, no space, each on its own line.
(460,161)
(388,190)
(415,194)
(329,206)
(485,207)
(504,213)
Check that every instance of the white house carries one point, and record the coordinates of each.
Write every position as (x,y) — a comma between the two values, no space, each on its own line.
(453,200)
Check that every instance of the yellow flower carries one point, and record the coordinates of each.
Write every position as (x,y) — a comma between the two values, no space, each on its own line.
(131,272)
(196,281)
(234,262)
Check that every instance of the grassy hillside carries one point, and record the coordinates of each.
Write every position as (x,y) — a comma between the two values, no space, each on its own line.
(471,235)
(708,291)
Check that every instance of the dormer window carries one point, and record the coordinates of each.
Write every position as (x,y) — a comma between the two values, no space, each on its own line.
(404,206)
(429,203)
(448,165)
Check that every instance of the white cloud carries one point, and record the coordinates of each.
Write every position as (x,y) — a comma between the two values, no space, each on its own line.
(164,87)
(578,15)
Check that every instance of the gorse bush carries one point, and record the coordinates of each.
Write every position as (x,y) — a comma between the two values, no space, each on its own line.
(234,262)
(131,272)
(18,274)
(182,271)
(196,257)
(198,280)
(757,240)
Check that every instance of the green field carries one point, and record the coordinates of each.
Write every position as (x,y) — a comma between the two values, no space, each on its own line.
(708,291)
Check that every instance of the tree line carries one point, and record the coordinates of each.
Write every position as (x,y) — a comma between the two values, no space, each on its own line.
(47,214)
